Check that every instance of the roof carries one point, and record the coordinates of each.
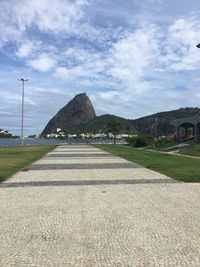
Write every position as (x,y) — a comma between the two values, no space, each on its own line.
(191,120)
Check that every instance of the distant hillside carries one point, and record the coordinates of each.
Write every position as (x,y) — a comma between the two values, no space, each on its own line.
(78,116)
(155,124)
(159,123)
(98,124)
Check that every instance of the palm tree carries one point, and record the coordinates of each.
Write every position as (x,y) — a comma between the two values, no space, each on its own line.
(114,127)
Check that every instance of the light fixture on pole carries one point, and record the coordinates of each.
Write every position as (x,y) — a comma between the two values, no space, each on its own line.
(22,118)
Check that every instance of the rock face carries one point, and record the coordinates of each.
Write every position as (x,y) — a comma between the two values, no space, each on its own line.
(160,123)
(78,111)
(155,125)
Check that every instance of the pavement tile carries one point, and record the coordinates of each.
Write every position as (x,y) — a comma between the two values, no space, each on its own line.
(97,217)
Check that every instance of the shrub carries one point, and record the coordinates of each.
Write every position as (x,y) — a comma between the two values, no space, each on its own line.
(141,140)
(163,142)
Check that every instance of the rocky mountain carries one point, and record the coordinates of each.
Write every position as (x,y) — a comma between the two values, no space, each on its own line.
(78,116)
(159,123)
(78,111)
(156,124)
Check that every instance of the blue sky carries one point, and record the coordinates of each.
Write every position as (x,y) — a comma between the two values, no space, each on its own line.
(132,58)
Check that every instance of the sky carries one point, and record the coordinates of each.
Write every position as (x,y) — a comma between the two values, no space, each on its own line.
(133,58)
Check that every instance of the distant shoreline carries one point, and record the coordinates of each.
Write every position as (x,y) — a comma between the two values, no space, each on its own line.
(5,142)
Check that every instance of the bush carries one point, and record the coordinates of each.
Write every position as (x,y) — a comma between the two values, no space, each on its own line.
(141,140)
(163,142)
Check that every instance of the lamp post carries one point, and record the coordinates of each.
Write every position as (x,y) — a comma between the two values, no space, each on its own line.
(196,128)
(22,118)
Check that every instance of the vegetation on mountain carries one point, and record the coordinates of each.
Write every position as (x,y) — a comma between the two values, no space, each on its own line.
(78,116)
(160,123)
(156,124)
(99,125)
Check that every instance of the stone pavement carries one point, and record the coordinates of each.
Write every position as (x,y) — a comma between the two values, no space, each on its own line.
(80,206)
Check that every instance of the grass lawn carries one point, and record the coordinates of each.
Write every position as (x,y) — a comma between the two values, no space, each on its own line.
(13,159)
(193,150)
(179,168)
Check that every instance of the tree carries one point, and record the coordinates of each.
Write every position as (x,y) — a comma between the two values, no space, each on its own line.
(114,127)
(128,129)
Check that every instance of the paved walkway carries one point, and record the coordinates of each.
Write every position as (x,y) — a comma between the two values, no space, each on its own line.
(80,206)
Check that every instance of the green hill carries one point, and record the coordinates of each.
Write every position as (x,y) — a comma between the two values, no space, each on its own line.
(155,124)
(99,124)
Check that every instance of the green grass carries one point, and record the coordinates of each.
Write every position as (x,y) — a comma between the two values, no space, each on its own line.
(192,150)
(177,167)
(13,159)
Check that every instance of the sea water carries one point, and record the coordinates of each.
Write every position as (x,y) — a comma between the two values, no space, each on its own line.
(4,142)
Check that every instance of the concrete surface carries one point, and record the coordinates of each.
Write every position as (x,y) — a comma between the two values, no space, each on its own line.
(97,217)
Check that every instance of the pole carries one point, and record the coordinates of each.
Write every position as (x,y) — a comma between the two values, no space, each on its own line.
(22,122)
(22,118)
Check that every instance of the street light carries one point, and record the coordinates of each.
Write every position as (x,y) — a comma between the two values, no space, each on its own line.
(22,119)
(198,46)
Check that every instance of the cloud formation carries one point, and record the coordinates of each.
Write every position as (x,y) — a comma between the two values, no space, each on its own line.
(42,63)
(131,57)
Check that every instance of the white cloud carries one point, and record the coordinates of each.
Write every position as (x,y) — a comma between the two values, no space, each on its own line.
(27,48)
(62,72)
(55,16)
(180,45)
(134,56)
(65,17)
(85,65)
(124,65)
(36,89)
(129,67)
(13,98)
(138,68)
(43,63)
